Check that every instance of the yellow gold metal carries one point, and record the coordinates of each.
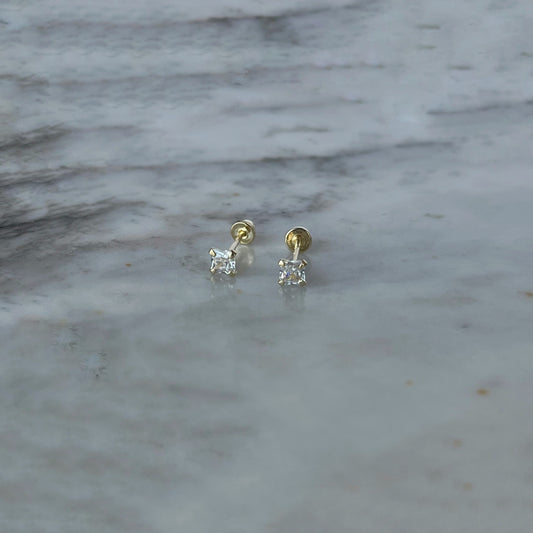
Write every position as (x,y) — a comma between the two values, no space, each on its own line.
(292,271)
(233,246)
(298,237)
(243,231)
(296,250)
(298,240)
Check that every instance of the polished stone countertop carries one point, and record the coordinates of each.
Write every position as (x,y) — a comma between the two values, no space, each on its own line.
(394,393)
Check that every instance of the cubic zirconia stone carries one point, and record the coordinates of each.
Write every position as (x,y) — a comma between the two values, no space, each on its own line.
(291,272)
(222,261)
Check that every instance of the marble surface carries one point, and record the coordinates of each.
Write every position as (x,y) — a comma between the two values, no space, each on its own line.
(393,394)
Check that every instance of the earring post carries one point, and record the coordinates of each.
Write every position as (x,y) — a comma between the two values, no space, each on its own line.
(296,251)
(241,235)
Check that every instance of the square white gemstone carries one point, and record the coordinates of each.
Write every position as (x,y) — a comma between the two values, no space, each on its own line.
(222,261)
(291,272)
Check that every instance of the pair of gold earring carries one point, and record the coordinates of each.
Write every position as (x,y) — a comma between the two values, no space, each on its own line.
(291,271)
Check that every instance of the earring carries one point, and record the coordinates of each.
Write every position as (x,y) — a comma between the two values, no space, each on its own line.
(292,271)
(223,261)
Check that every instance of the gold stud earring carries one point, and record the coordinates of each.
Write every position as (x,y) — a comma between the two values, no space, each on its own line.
(223,261)
(292,271)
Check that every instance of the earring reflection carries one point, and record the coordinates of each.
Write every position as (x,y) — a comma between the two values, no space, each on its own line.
(293,298)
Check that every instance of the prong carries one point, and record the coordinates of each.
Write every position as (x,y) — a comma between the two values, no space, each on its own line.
(301,266)
(281,262)
(302,283)
(212,252)
(280,282)
(212,270)
(304,263)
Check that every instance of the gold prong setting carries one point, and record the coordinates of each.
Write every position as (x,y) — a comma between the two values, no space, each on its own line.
(223,262)
(292,272)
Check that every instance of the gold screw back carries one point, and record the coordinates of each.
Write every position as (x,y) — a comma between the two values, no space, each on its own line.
(243,231)
(298,238)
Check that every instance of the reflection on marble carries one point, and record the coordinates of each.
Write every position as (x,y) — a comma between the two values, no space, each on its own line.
(293,297)
(394,393)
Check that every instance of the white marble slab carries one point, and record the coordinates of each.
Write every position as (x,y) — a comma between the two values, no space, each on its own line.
(393,394)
